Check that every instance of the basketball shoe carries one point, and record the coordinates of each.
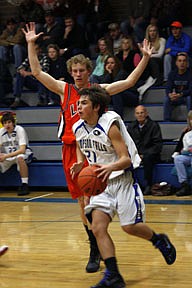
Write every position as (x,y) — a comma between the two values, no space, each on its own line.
(93,264)
(112,280)
(23,190)
(3,249)
(166,248)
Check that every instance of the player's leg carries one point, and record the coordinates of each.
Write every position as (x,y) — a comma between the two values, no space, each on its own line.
(132,218)
(3,249)
(69,158)
(93,264)
(112,277)
(23,170)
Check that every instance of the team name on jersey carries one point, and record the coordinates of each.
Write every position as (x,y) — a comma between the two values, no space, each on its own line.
(73,109)
(10,143)
(92,144)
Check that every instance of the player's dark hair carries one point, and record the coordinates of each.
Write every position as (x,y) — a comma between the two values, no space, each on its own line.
(8,116)
(98,96)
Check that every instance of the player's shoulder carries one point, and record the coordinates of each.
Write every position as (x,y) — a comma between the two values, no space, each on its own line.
(109,116)
(77,125)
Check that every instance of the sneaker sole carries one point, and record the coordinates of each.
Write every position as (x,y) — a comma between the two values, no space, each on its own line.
(3,250)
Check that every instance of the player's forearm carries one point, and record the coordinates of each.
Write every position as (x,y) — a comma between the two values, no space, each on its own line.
(123,163)
(131,80)
(17,152)
(33,59)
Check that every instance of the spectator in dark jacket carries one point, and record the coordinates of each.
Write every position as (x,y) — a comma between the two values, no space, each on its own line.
(146,134)
(52,31)
(57,69)
(30,11)
(74,39)
(5,82)
(98,17)
(179,86)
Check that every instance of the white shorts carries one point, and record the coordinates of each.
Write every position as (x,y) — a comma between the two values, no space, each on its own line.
(121,197)
(6,165)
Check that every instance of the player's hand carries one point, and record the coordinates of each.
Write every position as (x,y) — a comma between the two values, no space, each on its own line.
(103,171)
(2,157)
(30,34)
(75,169)
(146,48)
(86,200)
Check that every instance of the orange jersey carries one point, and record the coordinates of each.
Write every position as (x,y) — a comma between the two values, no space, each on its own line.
(68,115)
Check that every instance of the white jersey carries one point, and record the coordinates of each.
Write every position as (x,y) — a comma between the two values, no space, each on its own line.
(187,141)
(12,142)
(96,145)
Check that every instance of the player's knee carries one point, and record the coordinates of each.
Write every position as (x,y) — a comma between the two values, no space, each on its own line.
(97,229)
(130,229)
(20,160)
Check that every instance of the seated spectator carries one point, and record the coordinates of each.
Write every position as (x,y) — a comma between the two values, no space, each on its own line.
(139,18)
(177,42)
(74,39)
(156,61)
(179,86)
(130,57)
(24,78)
(77,9)
(104,50)
(52,32)
(6,83)
(57,69)
(98,17)
(12,43)
(146,134)
(184,159)
(129,54)
(14,148)
(30,11)
(113,72)
(115,36)
(164,12)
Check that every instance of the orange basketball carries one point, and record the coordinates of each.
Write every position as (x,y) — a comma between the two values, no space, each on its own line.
(89,183)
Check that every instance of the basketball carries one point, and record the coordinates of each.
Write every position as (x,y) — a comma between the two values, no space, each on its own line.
(89,183)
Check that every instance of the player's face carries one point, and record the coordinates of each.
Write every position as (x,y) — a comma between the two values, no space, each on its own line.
(9,126)
(80,75)
(86,110)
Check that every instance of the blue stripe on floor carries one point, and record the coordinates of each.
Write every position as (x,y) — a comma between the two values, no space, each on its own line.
(68,200)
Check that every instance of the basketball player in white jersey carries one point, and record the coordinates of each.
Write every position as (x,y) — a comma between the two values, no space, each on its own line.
(102,139)
(14,149)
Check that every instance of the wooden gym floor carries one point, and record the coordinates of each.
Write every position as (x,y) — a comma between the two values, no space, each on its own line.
(48,246)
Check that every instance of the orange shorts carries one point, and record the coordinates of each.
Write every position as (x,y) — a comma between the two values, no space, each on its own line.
(69,158)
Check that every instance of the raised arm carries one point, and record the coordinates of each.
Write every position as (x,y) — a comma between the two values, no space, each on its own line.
(131,80)
(54,85)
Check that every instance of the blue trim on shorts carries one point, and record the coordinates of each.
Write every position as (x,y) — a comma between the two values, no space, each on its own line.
(139,215)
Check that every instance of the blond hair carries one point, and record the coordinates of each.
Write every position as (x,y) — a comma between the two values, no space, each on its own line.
(156,44)
(81,59)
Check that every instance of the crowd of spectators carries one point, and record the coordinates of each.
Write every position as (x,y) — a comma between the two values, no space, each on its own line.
(78,26)
(75,27)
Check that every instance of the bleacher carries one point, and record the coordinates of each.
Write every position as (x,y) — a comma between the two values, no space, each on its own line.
(41,126)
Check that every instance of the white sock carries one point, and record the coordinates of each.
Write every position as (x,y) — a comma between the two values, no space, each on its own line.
(24,180)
